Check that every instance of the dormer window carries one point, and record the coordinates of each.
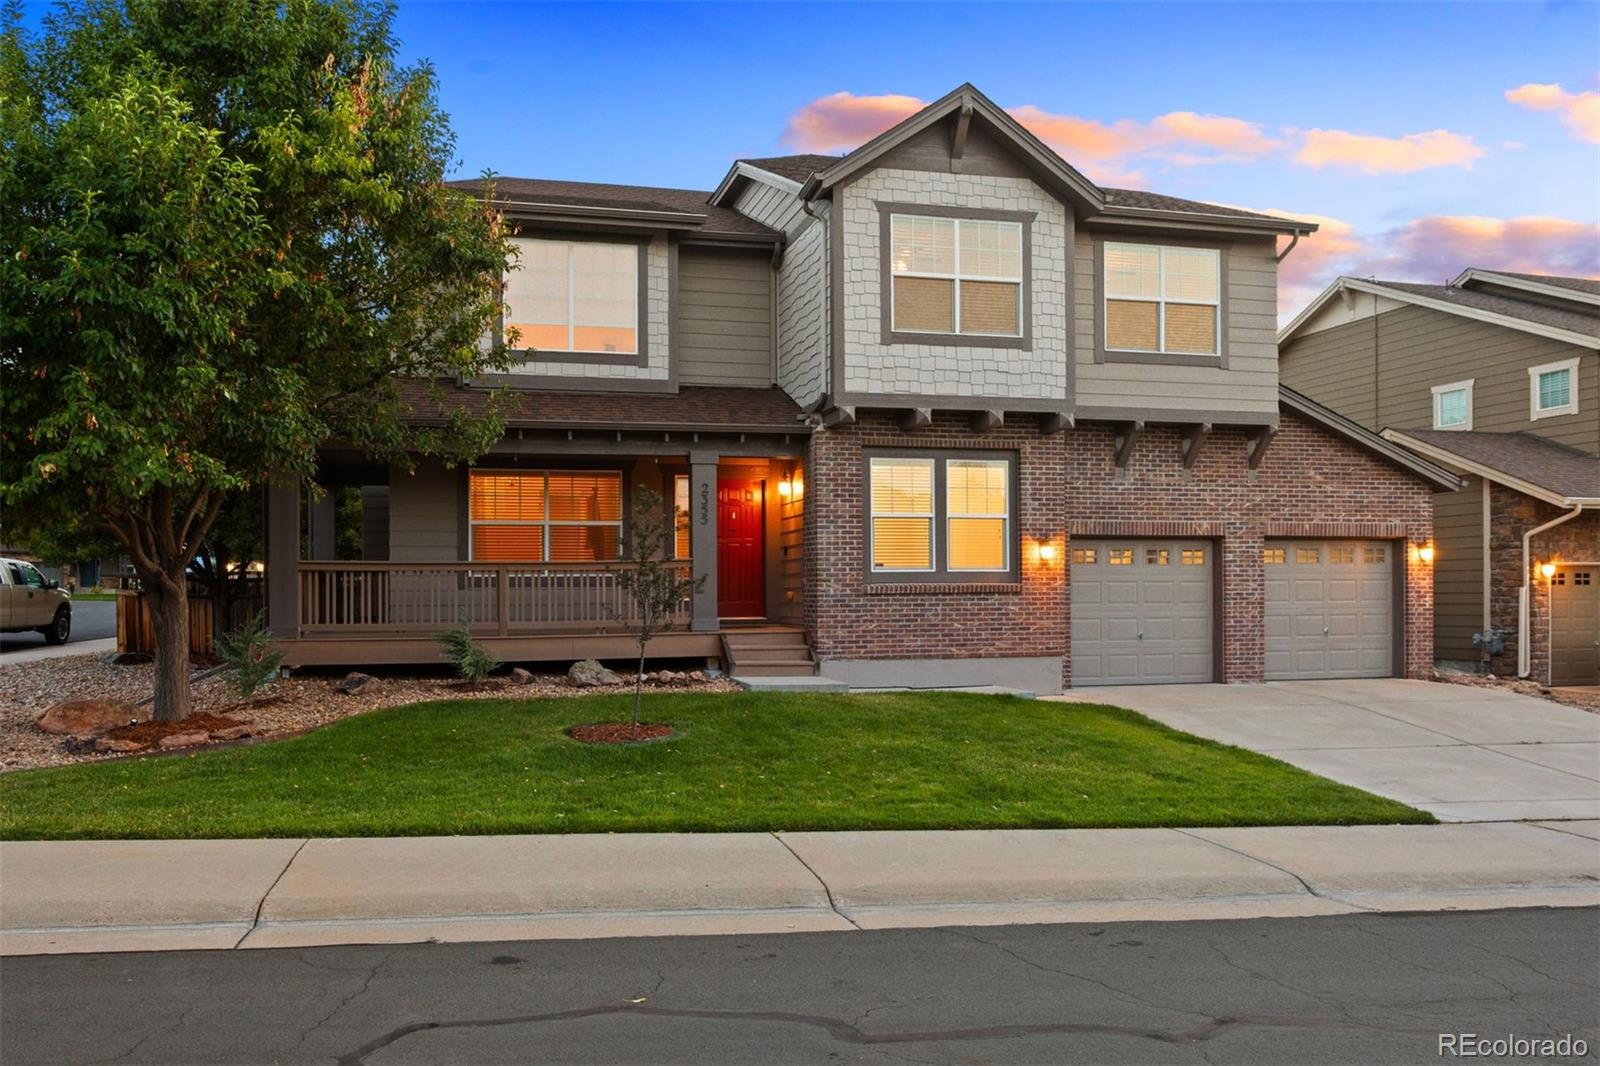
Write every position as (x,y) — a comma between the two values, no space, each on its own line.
(1553,389)
(955,276)
(1162,299)
(577,297)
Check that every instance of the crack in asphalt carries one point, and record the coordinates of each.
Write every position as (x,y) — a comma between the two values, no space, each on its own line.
(143,1040)
(366,983)
(842,1031)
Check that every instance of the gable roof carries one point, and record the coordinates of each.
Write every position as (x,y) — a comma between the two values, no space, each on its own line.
(687,209)
(1339,425)
(1578,290)
(816,174)
(1538,466)
(1573,325)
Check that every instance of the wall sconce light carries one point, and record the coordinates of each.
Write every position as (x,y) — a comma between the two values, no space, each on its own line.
(1047,552)
(786,488)
(1548,570)
(1425,553)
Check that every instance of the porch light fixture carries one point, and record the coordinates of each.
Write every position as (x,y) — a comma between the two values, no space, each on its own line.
(786,488)
(1548,570)
(1425,553)
(1047,553)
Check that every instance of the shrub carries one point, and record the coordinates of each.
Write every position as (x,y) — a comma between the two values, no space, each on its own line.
(251,655)
(472,660)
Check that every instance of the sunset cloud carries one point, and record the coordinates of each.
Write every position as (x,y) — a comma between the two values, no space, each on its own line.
(1372,154)
(1579,112)
(1436,247)
(1112,152)
(1316,260)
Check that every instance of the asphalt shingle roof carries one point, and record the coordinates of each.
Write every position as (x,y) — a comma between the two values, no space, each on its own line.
(794,167)
(1590,286)
(1587,323)
(690,408)
(635,197)
(1563,470)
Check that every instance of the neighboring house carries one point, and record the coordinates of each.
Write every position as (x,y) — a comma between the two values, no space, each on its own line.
(941,411)
(1495,376)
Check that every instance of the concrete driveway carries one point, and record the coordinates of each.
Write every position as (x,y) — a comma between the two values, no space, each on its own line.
(1465,754)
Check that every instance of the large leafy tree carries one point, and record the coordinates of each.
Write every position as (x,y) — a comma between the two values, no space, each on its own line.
(224,235)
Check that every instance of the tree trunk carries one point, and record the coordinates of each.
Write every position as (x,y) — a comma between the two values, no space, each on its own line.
(170,613)
(638,692)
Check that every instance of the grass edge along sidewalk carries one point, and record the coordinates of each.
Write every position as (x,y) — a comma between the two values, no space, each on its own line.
(739,762)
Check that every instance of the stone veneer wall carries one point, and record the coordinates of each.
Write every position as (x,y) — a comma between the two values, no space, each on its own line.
(1310,484)
(1511,514)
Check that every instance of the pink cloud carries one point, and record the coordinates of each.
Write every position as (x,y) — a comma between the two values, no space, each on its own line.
(1317,258)
(1579,112)
(1233,138)
(844,120)
(1437,247)
(1372,154)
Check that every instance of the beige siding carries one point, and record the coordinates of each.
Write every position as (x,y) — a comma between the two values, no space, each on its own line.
(1249,383)
(425,514)
(803,335)
(1420,348)
(772,207)
(1458,571)
(724,318)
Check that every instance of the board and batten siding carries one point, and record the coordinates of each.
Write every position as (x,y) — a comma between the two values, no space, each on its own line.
(1418,348)
(724,318)
(1458,571)
(1248,385)
(425,514)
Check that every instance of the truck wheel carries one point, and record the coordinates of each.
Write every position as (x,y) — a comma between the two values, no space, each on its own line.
(60,627)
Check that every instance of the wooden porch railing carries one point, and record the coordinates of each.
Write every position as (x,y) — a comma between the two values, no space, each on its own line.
(356,598)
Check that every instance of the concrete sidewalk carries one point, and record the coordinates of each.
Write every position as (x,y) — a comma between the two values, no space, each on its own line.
(68,896)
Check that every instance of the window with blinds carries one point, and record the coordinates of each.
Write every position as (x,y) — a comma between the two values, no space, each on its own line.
(940,516)
(1162,299)
(955,276)
(574,296)
(556,516)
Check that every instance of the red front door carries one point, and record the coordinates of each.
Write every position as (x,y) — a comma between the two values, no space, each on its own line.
(741,577)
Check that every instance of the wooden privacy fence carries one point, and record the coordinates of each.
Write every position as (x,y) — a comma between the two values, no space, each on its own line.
(350,598)
(136,628)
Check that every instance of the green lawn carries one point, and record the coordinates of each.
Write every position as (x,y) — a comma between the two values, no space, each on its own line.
(740,762)
(94,597)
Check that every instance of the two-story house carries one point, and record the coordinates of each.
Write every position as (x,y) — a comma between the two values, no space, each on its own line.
(940,411)
(1495,376)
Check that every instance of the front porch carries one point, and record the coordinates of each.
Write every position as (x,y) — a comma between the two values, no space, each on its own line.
(525,548)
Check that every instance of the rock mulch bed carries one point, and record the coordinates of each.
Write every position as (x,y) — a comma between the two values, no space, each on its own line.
(1585,699)
(289,706)
(619,732)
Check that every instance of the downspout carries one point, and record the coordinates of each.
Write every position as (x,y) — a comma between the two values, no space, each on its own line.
(1524,644)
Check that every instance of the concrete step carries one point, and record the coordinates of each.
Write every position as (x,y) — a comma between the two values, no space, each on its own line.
(774,669)
(772,655)
(796,642)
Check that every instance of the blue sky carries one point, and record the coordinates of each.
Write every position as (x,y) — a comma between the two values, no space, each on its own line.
(1413,128)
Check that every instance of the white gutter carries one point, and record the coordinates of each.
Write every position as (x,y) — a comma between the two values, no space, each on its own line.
(1524,650)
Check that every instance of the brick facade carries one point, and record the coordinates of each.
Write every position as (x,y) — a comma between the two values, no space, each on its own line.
(1512,514)
(1310,484)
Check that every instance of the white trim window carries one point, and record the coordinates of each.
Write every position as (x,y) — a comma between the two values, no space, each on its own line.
(1553,389)
(978,514)
(1161,298)
(902,514)
(574,296)
(536,516)
(955,276)
(1452,405)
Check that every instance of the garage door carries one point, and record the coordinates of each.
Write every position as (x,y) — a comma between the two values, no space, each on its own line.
(1575,625)
(1141,611)
(1330,609)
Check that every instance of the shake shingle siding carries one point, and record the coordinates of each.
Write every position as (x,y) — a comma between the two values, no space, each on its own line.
(802,289)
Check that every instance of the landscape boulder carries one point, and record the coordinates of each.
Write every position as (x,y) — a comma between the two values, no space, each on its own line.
(89,717)
(236,732)
(355,683)
(519,676)
(117,744)
(182,740)
(587,673)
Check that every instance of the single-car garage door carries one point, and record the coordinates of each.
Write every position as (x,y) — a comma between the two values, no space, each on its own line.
(1330,609)
(1142,611)
(1575,625)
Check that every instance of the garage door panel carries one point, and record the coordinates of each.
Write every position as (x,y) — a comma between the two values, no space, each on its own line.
(1575,625)
(1330,609)
(1147,621)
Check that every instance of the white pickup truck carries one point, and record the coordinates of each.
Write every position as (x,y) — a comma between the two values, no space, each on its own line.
(29,600)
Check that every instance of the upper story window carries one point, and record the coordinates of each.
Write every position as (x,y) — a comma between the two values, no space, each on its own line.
(1452,405)
(558,516)
(1163,299)
(945,518)
(961,276)
(1553,389)
(576,296)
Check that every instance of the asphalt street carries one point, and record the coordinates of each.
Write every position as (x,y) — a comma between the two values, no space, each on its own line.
(1352,988)
(91,620)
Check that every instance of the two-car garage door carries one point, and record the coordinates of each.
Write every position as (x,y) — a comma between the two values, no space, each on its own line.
(1144,610)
